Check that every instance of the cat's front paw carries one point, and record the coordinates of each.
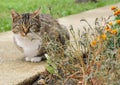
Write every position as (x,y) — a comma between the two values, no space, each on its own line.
(36,59)
(27,58)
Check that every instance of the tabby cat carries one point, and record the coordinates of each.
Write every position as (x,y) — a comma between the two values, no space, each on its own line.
(28,30)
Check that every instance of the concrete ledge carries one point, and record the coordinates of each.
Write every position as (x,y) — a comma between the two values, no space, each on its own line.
(13,69)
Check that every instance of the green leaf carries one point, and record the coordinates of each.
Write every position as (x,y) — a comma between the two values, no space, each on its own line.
(50,69)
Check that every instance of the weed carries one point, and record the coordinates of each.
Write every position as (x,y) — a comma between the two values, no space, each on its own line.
(91,59)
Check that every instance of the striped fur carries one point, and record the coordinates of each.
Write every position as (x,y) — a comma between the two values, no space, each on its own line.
(29,29)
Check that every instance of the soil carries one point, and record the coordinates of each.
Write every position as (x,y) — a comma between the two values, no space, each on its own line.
(46,78)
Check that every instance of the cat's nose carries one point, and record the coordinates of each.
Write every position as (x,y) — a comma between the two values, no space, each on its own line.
(26,30)
(23,34)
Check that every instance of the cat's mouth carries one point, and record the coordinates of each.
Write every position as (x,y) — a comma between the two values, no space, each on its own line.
(23,34)
(27,36)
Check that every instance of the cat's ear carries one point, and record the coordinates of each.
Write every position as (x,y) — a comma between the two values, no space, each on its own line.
(35,13)
(14,14)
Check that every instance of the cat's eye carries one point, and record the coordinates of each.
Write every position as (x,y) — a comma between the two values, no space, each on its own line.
(33,28)
(15,30)
(17,27)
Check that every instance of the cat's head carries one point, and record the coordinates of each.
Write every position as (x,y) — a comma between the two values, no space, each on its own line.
(25,23)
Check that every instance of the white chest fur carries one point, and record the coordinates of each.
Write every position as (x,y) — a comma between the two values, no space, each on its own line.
(29,46)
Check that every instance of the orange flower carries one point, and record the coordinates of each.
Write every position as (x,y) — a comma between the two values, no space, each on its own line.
(113,31)
(98,38)
(107,28)
(93,43)
(110,23)
(118,21)
(103,36)
(113,7)
(117,12)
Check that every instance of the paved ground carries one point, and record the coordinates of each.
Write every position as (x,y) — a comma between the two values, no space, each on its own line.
(13,68)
